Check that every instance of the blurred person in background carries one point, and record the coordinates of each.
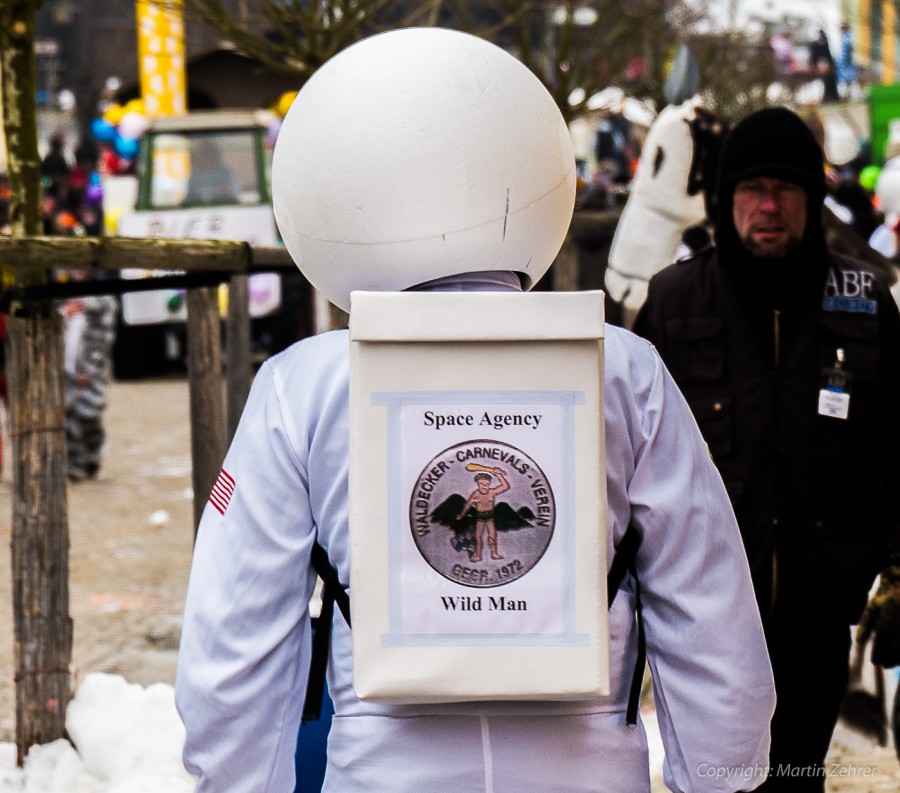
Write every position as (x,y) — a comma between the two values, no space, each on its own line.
(822,62)
(90,331)
(845,63)
(54,166)
(789,357)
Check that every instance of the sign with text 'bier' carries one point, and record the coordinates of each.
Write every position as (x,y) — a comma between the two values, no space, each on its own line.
(478,496)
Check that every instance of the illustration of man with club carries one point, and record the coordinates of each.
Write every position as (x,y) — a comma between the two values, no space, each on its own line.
(483,501)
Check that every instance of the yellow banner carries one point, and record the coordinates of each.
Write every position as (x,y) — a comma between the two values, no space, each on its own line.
(888,43)
(160,33)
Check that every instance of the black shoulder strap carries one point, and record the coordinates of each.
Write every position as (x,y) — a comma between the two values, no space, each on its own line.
(624,562)
(334,592)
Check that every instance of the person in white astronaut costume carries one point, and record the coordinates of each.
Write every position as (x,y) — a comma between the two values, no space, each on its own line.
(245,649)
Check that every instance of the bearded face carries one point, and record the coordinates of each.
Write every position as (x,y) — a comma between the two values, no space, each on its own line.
(769,216)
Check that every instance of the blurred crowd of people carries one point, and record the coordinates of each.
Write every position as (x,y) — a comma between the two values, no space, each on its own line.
(603,181)
(838,73)
(72,195)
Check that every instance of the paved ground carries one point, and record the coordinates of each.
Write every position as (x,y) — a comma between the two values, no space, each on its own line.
(131,541)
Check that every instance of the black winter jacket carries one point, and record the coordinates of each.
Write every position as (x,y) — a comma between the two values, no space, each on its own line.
(817,497)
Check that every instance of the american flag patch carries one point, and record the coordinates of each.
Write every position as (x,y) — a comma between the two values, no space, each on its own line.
(222,491)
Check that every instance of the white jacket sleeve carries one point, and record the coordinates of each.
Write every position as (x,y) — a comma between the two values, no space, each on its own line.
(244,655)
(713,685)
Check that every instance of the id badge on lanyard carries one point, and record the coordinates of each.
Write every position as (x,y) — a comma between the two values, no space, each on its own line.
(834,396)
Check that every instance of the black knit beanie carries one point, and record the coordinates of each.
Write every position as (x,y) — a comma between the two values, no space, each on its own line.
(774,143)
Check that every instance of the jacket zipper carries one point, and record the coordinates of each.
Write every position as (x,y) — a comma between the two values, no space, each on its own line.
(774,593)
(776,316)
(777,337)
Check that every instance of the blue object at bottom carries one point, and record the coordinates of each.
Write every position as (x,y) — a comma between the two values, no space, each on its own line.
(311,756)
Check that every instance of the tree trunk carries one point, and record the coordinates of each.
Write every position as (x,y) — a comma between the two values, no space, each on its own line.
(237,340)
(40,532)
(17,78)
(207,410)
(337,317)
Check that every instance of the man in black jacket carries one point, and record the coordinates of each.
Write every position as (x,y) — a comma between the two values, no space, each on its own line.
(789,356)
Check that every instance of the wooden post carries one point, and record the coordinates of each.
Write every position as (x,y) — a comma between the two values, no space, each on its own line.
(40,531)
(565,268)
(337,317)
(207,412)
(237,352)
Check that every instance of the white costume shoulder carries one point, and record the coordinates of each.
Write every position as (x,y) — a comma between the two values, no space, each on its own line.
(245,649)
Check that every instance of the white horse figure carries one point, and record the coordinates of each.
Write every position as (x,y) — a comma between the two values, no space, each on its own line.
(671,192)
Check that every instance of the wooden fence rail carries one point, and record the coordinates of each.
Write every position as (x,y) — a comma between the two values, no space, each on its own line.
(145,253)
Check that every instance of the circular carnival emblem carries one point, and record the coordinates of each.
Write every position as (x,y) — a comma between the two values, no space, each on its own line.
(482,513)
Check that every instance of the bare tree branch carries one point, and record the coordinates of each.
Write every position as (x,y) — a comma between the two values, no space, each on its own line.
(587,45)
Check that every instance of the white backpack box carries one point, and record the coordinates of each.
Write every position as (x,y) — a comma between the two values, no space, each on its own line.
(477,496)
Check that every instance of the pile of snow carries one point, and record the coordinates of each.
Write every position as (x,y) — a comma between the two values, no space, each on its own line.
(127,739)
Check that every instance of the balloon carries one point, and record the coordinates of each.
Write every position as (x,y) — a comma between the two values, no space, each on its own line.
(868,177)
(113,114)
(132,125)
(135,106)
(284,103)
(102,130)
(126,148)
(93,194)
(94,178)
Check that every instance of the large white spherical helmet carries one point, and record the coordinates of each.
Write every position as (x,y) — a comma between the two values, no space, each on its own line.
(419,154)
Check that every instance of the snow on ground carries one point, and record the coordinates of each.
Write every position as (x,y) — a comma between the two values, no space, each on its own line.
(128,738)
